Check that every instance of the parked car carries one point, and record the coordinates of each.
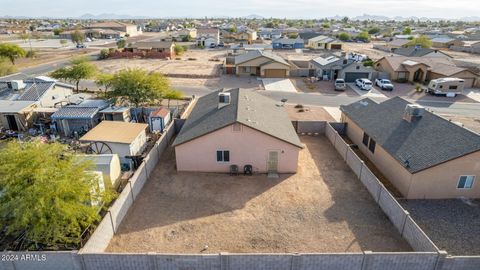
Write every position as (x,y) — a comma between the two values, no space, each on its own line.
(446,86)
(358,82)
(365,84)
(212,46)
(384,84)
(221,44)
(340,85)
(81,46)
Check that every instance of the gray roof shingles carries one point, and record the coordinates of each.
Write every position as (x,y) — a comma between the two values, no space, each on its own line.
(426,142)
(246,107)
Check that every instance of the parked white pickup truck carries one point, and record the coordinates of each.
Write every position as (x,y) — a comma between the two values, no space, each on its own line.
(384,84)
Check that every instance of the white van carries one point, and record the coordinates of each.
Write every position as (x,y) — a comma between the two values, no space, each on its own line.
(446,86)
(364,84)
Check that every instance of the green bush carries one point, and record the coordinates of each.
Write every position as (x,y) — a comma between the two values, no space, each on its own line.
(104,53)
(6,68)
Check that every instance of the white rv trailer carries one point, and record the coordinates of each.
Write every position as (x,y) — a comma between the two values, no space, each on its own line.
(446,86)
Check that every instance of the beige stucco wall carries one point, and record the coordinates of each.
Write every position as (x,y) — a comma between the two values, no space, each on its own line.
(390,167)
(246,147)
(274,65)
(438,182)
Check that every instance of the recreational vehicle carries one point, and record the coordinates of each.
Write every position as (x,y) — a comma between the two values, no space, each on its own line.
(446,86)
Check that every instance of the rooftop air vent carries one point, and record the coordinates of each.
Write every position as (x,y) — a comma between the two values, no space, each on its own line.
(224,99)
(413,112)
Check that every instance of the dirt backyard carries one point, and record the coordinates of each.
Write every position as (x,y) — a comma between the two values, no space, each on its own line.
(322,208)
(192,63)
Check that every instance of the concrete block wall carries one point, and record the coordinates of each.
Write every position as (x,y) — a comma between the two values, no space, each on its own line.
(399,261)
(392,209)
(399,217)
(311,127)
(462,263)
(40,260)
(119,209)
(334,261)
(100,238)
(416,237)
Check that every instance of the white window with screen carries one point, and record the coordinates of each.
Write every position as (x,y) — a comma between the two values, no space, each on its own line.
(466,181)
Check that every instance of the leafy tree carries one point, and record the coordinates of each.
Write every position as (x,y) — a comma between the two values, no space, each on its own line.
(104,79)
(326,25)
(46,193)
(373,30)
(80,69)
(11,51)
(187,38)
(233,29)
(407,31)
(121,44)
(6,68)
(423,41)
(179,49)
(24,36)
(77,37)
(345,19)
(172,94)
(104,53)
(138,86)
(344,37)
(57,31)
(363,36)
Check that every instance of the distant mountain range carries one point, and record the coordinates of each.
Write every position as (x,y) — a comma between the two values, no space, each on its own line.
(109,16)
(113,16)
(366,17)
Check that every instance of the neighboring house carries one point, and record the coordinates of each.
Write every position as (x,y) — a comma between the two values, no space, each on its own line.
(78,118)
(334,67)
(355,70)
(324,43)
(270,34)
(261,63)
(245,35)
(121,138)
(446,42)
(207,37)
(120,29)
(422,154)
(108,165)
(19,98)
(165,48)
(327,67)
(237,127)
(422,69)
(159,119)
(415,51)
(392,45)
(288,43)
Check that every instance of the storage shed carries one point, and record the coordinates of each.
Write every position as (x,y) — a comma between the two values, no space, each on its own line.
(112,137)
(159,119)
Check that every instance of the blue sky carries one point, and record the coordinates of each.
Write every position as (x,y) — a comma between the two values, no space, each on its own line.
(266,8)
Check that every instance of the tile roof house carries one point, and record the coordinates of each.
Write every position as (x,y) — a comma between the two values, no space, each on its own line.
(422,154)
(119,28)
(166,48)
(237,127)
(324,43)
(288,43)
(261,63)
(421,69)
(19,98)
(414,51)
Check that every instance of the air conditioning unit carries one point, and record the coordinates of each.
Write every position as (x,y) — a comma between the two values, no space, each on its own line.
(224,99)
(413,112)
(16,85)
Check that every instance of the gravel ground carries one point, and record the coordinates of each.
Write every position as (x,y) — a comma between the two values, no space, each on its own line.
(322,208)
(453,225)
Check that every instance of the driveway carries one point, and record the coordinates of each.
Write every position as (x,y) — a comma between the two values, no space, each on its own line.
(276,84)
(374,93)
